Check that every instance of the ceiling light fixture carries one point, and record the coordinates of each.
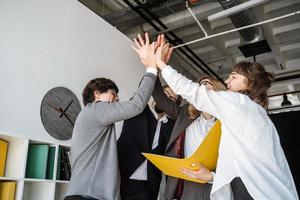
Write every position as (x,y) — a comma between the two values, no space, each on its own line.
(285,101)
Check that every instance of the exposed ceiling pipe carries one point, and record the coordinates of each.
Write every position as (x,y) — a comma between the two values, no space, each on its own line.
(238,29)
(241,19)
(194,16)
(239,8)
(183,17)
(190,55)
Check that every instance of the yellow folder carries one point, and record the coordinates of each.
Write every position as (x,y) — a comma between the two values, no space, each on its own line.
(3,153)
(7,190)
(206,154)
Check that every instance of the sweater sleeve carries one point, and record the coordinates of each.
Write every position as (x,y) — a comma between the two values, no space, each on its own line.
(218,104)
(117,111)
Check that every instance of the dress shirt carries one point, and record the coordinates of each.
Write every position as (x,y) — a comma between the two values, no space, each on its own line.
(141,172)
(195,134)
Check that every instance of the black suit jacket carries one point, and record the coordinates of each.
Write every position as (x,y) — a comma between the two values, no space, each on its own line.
(137,137)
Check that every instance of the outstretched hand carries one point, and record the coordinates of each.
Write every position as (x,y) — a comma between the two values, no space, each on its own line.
(202,174)
(156,54)
(160,55)
(160,42)
(145,50)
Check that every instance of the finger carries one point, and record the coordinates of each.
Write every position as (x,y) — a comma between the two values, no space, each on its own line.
(170,51)
(147,38)
(186,170)
(166,49)
(134,48)
(163,39)
(168,56)
(137,43)
(156,45)
(141,40)
(152,47)
(188,173)
(150,50)
(158,52)
(158,39)
(166,46)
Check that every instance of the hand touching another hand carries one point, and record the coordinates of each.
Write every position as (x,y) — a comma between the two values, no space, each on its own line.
(145,50)
(202,174)
(161,41)
(161,54)
(155,54)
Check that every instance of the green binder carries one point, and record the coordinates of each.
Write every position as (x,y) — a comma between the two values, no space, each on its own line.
(50,165)
(37,159)
(58,164)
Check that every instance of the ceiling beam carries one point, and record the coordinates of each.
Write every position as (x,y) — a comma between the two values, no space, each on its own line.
(235,9)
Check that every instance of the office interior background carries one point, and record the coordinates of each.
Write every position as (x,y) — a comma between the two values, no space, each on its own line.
(48,44)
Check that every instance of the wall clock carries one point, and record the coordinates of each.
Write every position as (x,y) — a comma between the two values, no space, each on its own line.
(59,110)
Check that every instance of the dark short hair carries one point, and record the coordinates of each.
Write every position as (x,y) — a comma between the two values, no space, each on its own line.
(258,81)
(98,84)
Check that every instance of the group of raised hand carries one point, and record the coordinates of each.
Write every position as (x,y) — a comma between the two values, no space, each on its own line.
(156,54)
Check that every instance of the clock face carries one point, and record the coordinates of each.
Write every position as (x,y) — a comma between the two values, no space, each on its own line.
(59,110)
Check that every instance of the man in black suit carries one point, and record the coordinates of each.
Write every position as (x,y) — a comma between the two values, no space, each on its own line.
(147,132)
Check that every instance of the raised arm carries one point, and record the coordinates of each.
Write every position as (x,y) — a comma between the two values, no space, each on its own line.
(123,110)
(109,113)
(218,104)
(170,107)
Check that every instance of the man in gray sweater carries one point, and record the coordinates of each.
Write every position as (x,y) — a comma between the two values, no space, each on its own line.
(95,172)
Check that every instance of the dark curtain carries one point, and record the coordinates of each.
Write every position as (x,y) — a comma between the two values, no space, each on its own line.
(288,127)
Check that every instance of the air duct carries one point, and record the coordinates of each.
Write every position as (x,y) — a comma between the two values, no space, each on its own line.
(241,19)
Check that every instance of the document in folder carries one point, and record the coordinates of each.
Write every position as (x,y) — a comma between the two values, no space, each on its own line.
(206,155)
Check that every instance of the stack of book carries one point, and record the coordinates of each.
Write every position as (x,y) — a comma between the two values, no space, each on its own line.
(40,161)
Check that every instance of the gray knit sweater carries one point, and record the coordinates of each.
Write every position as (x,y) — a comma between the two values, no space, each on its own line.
(94,162)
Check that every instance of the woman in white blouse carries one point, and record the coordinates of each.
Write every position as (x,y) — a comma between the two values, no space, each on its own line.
(250,149)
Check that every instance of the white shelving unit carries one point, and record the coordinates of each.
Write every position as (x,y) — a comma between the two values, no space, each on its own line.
(29,188)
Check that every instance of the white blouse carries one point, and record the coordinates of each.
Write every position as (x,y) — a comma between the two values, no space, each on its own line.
(249,147)
(195,134)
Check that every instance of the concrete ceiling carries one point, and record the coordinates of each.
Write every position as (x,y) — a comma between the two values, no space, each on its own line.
(222,52)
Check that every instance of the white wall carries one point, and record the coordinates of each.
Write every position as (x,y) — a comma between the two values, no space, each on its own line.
(49,43)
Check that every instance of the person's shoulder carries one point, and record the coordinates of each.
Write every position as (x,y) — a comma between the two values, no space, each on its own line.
(95,106)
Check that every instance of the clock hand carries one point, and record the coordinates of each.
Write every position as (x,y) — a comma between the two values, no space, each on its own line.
(57,109)
(68,119)
(68,106)
(64,111)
